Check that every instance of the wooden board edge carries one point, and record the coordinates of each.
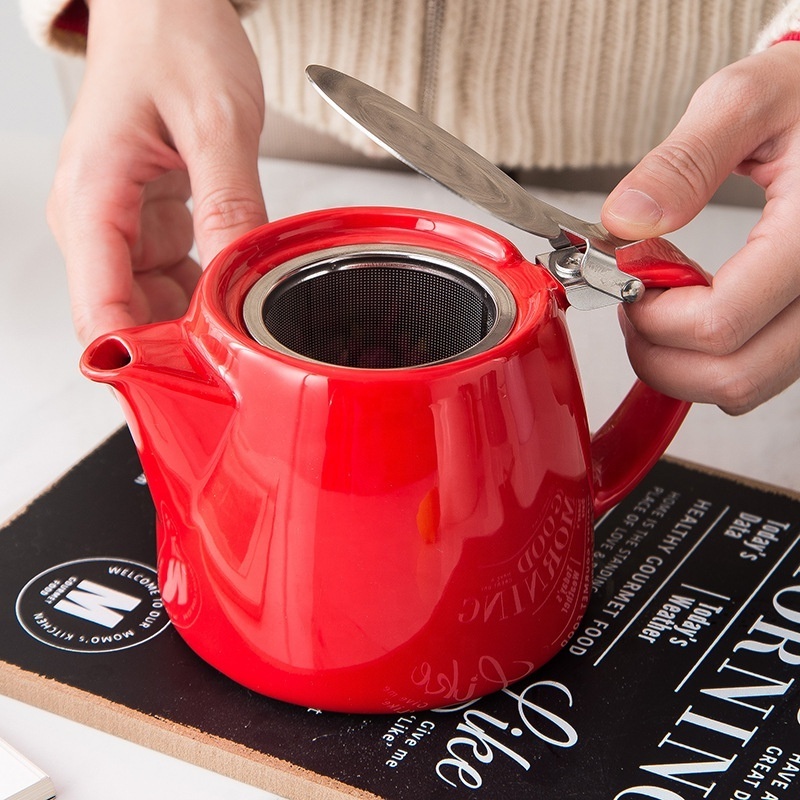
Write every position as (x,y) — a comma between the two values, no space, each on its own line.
(179,741)
(754,483)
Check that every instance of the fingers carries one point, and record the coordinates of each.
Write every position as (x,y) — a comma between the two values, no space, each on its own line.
(163,272)
(126,238)
(723,127)
(171,92)
(737,342)
(749,291)
(96,253)
(226,190)
(737,382)
(166,234)
(102,299)
(95,211)
(167,291)
(215,123)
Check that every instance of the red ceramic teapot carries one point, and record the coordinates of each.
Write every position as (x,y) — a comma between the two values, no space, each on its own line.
(367,446)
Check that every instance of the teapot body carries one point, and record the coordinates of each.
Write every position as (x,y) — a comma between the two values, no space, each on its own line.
(360,539)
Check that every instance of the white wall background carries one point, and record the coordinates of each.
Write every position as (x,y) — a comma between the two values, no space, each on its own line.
(30,100)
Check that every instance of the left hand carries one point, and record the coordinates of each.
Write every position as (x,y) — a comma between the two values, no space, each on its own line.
(171,104)
(737,342)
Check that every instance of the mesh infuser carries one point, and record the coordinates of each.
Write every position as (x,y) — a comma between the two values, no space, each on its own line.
(379,309)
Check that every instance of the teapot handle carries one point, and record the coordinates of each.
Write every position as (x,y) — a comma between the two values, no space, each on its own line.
(639,431)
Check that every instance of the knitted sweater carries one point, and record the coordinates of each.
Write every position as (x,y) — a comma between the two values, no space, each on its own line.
(528,83)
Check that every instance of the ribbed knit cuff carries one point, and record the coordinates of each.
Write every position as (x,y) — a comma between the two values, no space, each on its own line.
(60,24)
(784,26)
(63,24)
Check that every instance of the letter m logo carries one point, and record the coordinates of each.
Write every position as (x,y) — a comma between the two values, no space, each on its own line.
(96,603)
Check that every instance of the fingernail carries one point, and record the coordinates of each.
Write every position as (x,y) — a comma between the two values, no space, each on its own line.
(636,207)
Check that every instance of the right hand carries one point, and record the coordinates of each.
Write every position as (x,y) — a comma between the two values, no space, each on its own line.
(171,106)
(735,343)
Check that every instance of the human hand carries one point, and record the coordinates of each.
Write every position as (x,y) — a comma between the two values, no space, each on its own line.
(736,343)
(171,105)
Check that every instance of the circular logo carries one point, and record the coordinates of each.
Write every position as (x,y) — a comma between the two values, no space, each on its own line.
(93,605)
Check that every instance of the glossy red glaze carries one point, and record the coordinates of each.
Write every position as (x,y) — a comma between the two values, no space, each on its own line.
(374,540)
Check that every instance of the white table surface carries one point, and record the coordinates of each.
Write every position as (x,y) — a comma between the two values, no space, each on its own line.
(50,416)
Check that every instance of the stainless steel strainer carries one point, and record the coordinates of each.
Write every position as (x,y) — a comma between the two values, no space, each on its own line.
(379,308)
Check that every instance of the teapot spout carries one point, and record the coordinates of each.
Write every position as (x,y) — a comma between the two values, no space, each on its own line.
(176,404)
(105,358)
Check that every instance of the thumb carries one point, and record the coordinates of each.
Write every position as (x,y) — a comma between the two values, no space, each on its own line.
(227,198)
(673,182)
(667,189)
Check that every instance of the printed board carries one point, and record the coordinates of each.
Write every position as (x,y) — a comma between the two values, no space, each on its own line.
(681,683)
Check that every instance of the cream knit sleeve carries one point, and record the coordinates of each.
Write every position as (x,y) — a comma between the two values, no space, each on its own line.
(545,84)
(61,24)
(536,84)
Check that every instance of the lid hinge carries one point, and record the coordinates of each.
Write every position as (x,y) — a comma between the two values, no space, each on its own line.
(587,269)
